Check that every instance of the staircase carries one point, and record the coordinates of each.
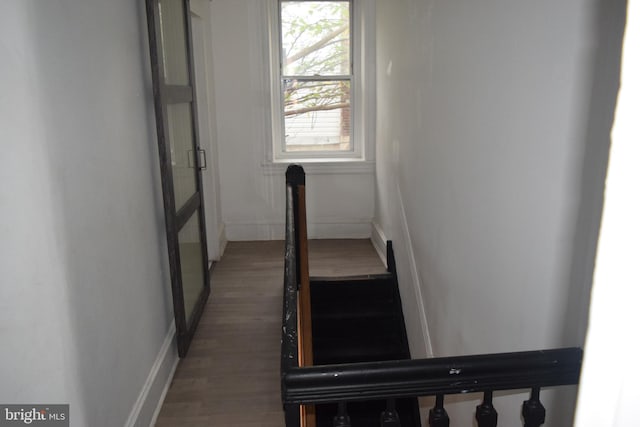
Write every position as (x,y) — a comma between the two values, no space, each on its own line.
(345,359)
(359,319)
(356,320)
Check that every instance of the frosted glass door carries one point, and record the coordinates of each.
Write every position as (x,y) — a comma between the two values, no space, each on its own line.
(181,161)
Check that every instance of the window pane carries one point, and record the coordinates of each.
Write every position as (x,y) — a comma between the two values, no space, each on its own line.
(174,44)
(315,38)
(317,115)
(191,265)
(182,152)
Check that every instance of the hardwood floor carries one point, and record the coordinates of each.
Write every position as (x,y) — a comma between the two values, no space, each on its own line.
(231,374)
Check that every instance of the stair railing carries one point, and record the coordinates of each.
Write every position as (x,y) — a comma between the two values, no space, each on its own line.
(303,385)
(297,298)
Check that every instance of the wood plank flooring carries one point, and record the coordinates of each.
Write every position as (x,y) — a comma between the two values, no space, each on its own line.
(231,374)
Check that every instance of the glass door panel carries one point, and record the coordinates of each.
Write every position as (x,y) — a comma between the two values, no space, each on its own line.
(191,263)
(174,42)
(183,159)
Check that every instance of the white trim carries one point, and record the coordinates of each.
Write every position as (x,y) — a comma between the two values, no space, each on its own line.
(247,231)
(278,152)
(415,277)
(147,407)
(274,79)
(329,168)
(379,241)
(365,92)
(163,395)
(260,81)
(206,121)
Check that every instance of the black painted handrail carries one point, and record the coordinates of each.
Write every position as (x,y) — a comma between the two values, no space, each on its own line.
(429,377)
(289,340)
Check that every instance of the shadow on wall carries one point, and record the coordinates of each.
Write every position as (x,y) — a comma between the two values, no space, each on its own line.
(610,22)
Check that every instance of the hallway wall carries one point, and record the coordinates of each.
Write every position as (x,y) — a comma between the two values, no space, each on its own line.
(85,305)
(492,142)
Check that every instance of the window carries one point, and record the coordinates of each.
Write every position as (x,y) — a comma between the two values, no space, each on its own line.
(313,87)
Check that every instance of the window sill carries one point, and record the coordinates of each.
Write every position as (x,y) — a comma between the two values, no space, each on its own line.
(315,167)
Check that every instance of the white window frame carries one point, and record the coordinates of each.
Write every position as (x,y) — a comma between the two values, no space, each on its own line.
(359,151)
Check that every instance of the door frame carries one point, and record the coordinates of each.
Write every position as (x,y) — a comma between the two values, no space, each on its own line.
(203,71)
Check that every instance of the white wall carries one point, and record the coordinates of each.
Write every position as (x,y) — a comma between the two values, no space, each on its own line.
(606,398)
(252,192)
(489,173)
(85,308)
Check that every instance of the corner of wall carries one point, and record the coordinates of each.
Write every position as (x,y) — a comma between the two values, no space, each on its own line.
(222,240)
(379,241)
(411,292)
(342,228)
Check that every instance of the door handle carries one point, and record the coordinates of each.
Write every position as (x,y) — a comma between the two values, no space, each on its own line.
(202,159)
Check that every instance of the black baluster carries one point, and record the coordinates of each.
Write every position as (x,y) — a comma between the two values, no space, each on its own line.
(486,414)
(532,410)
(389,417)
(438,416)
(342,419)
(292,415)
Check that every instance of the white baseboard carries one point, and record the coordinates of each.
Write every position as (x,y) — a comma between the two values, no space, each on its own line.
(315,230)
(379,241)
(360,230)
(415,277)
(147,407)
(243,231)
